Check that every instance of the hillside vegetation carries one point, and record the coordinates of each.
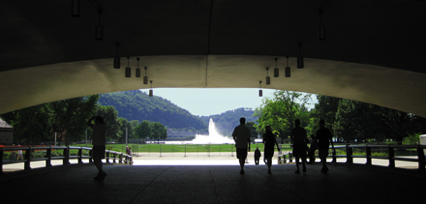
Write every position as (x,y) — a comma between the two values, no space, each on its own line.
(137,105)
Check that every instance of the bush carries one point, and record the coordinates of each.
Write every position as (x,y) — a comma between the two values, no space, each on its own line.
(411,140)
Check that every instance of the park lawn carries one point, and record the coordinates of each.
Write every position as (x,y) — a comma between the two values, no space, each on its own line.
(172,148)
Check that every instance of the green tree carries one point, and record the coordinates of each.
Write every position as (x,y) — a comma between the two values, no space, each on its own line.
(133,125)
(111,120)
(68,117)
(280,112)
(251,126)
(325,109)
(360,121)
(143,130)
(30,125)
(123,123)
(158,131)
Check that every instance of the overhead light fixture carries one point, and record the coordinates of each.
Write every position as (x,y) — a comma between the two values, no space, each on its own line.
(276,70)
(268,79)
(321,28)
(99,27)
(117,58)
(75,8)
(138,71)
(145,78)
(300,58)
(151,92)
(128,69)
(260,89)
(287,69)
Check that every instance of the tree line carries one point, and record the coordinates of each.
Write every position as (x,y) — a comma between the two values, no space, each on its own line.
(67,118)
(350,121)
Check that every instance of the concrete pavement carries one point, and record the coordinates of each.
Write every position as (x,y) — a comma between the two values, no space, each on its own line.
(213,184)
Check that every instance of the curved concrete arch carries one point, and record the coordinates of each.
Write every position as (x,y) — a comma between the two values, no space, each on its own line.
(393,88)
(374,51)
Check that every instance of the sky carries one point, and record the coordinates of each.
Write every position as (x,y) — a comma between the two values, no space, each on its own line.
(213,101)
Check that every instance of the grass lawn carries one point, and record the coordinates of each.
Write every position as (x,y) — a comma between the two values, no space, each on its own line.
(176,148)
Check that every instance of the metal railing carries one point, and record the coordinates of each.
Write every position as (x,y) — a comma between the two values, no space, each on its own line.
(49,153)
(391,153)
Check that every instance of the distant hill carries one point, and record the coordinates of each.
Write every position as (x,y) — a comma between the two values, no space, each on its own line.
(227,121)
(137,105)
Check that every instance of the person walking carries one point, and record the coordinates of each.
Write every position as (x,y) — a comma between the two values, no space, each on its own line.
(241,137)
(257,156)
(324,136)
(312,148)
(19,154)
(269,141)
(99,129)
(298,135)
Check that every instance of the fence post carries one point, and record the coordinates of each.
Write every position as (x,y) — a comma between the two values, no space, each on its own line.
(349,159)
(107,157)
(421,158)
(27,159)
(334,156)
(185,150)
(368,155)
(160,149)
(391,157)
(91,155)
(49,157)
(66,160)
(80,155)
(121,158)
(1,160)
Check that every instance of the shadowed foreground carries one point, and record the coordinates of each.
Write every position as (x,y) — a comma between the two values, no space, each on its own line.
(214,184)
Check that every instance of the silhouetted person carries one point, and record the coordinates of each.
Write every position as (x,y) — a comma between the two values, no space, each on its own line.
(99,129)
(324,136)
(312,148)
(241,137)
(19,154)
(269,141)
(257,155)
(298,135)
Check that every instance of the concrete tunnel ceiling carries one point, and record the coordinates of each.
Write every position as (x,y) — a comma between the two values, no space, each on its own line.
(374,49)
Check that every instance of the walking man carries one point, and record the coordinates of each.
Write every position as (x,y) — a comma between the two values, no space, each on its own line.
(324,136)
(241,137)
(298,135)
(99,129)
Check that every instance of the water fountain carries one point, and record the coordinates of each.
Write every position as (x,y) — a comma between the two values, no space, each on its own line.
(212,138)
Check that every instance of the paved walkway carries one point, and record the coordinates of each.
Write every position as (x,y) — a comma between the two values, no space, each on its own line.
(218,183)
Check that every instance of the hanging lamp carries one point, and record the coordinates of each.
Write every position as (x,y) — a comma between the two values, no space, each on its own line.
(99,27)
(300,58)
(268,79)
(145,78)
(287,69)
(138,71)
(276,70)
(260,89)
(128,69)
(151,92)
(321,27)
(75,8)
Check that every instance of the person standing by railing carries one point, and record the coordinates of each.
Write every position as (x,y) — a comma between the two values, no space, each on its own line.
(19,154)
(99,129)
(324,136)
